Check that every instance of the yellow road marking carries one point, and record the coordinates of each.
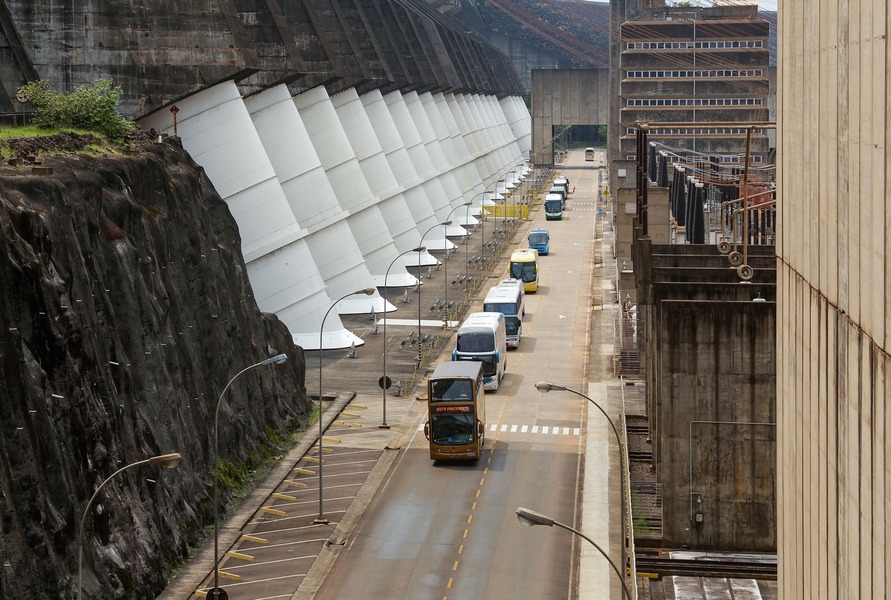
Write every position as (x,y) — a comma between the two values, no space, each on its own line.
(253,538)
(240,556)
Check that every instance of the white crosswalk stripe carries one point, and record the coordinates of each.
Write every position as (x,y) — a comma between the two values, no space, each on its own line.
(528,429)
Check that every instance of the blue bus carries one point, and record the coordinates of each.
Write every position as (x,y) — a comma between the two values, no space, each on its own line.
(539,239)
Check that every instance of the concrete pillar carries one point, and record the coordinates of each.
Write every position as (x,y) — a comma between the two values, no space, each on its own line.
(312,199)
(395,210)
(368,224)
(217,130)
(424,200)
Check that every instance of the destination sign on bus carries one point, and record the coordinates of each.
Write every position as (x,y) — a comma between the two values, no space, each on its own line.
(451,409)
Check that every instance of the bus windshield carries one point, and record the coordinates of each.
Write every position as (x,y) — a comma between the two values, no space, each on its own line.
(451,390)
(476,342)
(524,271)
(552,206)
(505,308)
(539,238)
(452,429)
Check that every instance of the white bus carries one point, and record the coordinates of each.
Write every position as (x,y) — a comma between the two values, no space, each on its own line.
(517,284)
(482,337)
(509,302)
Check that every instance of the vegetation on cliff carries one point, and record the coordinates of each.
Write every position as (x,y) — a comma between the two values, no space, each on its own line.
(93,108)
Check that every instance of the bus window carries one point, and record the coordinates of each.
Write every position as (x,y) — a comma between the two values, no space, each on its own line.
(476,342)
(450,390)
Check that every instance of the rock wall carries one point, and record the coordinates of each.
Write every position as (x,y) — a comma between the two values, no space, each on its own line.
(125,309)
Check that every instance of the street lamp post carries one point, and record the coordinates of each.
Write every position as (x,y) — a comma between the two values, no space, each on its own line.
(544,386)
(421,243)
(384,382)
(446,273)
(278,358)
(321,520)
(168,461)
(483,217)
(530,517)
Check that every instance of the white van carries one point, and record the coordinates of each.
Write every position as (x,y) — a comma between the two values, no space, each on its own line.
(482,337)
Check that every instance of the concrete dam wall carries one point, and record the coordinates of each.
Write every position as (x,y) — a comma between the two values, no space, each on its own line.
(336,133)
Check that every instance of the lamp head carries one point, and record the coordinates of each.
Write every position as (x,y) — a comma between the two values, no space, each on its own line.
(544,386)
(367,291)
(530,517)
(274,360)
(467,204)
(168,461)
(446,223)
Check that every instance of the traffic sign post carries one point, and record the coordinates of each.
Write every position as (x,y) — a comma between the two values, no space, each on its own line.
(21,96)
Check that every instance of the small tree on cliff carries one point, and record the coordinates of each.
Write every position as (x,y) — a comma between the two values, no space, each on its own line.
(93,108)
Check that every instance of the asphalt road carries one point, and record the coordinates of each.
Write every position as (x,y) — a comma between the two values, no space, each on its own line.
(449,530)
(397,525)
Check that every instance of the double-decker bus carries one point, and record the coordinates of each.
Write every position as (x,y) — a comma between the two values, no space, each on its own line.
(456,411)
(508,300)
(482,337)
(524,266)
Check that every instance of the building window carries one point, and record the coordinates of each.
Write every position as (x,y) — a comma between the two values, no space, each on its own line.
(724,74)
(695,102)
(716,44)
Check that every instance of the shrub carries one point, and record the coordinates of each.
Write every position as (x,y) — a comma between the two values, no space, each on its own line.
(93,108)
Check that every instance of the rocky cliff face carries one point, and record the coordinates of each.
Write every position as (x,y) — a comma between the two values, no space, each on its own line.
(125,309)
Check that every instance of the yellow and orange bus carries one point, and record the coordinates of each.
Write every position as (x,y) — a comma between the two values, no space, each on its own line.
(456,411)
(524,266)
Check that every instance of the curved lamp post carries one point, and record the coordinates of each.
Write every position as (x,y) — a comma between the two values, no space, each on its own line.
(513,199)
(446,273)
(421,243)
(321,520)
(544,386)
(530,517)
(278,358)
(384,382)
(483,216)
(168,461)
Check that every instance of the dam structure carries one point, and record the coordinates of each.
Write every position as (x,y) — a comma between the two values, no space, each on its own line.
(339,134)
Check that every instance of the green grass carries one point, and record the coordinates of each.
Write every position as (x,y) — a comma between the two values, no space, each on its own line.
(25,131)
